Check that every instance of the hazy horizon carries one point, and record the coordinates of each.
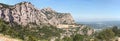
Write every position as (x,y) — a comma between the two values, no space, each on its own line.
(81,10)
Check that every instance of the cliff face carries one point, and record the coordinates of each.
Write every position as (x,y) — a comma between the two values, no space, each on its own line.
(56,17)
(24,13)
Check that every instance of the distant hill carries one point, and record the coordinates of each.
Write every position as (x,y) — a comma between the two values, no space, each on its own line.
(102,24)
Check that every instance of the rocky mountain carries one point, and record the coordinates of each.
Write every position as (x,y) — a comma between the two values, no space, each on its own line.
(24,13)
(49,24)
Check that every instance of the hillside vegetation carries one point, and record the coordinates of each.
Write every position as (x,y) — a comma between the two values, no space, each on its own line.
(29,34)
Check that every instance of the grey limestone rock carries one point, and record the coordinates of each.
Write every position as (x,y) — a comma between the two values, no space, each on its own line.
(24,13)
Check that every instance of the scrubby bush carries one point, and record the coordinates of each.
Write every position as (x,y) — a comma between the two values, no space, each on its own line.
(78,37)
(33,34)
(106,34)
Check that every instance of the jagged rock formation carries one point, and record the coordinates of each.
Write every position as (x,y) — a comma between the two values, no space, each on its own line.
(24,13)
(57,18)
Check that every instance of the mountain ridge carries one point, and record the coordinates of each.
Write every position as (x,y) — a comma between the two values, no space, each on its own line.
(24,13)
(28,23)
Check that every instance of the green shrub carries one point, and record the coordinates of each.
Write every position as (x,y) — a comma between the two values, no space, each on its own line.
(33,34)
(106,34)
(78,37)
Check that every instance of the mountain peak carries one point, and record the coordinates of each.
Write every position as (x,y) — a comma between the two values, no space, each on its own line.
(25,13)
(2,5)
(48,9)
(24,2)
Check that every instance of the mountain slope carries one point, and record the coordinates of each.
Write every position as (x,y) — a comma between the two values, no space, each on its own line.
(27,23)
(24,13)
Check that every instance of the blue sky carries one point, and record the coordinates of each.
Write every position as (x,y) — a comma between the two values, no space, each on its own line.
(81,10)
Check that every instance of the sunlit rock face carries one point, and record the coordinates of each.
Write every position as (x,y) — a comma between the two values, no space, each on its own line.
(24,13)
(56,18)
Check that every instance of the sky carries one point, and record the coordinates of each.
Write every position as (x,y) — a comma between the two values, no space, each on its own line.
(81,10)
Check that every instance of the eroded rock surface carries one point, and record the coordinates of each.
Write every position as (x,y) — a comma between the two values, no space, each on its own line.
(24,13)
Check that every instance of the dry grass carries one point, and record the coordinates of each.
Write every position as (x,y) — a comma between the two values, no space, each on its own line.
(7,38)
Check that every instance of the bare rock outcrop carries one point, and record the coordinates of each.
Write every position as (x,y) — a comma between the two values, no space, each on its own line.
(24,13)
(56,18)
